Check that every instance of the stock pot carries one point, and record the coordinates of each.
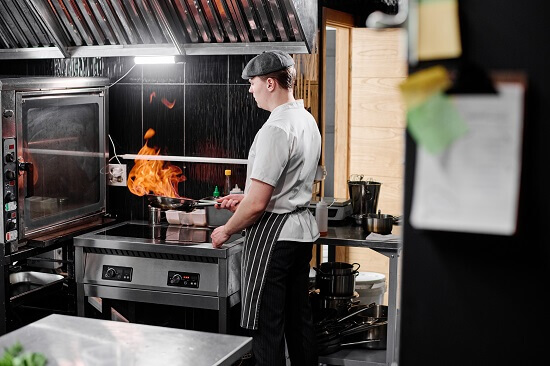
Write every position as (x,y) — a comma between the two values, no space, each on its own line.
(336,278)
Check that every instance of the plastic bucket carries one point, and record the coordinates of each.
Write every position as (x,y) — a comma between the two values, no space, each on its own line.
(371,287)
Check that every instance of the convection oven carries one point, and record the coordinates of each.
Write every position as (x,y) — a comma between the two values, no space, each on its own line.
(54,155)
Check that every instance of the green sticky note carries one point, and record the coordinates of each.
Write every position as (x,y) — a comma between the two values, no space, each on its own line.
(436,123)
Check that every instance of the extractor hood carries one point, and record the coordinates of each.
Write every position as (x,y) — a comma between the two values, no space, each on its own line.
(31,29)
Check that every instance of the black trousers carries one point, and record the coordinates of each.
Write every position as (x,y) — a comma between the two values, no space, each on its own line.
(285,311)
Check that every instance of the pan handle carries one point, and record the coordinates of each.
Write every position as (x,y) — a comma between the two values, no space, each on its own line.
(204,203)
(360,342)
(361,328)
(357,312)
(318,270)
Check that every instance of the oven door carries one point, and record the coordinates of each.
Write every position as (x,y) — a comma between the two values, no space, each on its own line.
(62,156)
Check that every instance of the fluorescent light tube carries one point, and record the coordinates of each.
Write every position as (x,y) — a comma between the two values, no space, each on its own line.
(155,59)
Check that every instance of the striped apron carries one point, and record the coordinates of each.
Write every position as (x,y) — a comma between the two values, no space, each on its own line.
(258,244)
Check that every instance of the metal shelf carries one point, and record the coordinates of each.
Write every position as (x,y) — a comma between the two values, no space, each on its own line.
(355,357)
(355,236)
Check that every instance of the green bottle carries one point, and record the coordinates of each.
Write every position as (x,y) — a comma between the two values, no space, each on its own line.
(216,193)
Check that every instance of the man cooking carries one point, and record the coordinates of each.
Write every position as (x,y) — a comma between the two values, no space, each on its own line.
(280,230)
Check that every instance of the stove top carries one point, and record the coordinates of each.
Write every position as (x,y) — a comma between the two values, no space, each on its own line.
(164,233)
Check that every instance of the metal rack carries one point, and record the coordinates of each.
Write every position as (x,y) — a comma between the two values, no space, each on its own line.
(356,236)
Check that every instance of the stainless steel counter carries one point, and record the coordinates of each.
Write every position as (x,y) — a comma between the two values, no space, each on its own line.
(67,340)
(355,236)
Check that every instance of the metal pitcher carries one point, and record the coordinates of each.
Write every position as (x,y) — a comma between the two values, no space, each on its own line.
(364,197)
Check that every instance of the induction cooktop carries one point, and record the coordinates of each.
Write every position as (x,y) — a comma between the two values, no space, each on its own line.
(165,233)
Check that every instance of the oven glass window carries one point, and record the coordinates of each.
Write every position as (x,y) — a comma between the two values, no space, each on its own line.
(61,139)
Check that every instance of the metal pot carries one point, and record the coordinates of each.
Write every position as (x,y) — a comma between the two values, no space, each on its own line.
(336,278)
(339,303)
(336,285)
(378,223)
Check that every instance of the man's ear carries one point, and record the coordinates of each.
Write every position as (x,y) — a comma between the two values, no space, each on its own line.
(270,84)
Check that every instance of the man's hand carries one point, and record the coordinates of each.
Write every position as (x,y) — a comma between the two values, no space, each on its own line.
(247,208)
(219,236)
(229,202)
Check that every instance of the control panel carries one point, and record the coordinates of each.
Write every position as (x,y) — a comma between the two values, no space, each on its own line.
(9,174)
(183,279)
(116,273)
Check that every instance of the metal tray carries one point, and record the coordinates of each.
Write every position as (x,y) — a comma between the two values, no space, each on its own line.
(28,283)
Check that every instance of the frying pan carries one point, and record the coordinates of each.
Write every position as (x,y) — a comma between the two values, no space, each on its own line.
(180,203)
(330,343)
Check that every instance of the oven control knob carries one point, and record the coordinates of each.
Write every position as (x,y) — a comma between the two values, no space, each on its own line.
(10,174)
(9,197)
(10,225)
(110,273)
(10,157)
(175,279)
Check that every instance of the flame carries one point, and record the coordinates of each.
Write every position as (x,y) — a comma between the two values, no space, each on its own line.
(151,96)
(154,176)
(170,105)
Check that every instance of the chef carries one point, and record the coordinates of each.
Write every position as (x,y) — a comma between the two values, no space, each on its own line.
(280,230)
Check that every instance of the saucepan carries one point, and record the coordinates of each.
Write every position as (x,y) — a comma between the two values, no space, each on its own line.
(177,203)
(378,223)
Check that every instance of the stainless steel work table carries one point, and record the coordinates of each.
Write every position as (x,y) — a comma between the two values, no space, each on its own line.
(355,236)
(70,340)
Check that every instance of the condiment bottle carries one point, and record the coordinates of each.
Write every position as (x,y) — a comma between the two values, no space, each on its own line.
(216,193)
(321,216)
(236,190)
(227,185)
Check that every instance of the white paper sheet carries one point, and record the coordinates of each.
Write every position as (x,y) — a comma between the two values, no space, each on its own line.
(474,185)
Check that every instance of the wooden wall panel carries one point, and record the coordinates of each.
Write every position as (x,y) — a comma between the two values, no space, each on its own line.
(377,125)
(379,52)
(377,151)
(377,102)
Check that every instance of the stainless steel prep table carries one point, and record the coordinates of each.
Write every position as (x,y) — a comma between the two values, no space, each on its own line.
(355,236)
(71,340)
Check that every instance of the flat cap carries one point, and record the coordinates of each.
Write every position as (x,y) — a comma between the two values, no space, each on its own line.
(267,62)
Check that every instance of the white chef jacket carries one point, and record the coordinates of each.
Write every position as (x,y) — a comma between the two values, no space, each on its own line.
(285,154)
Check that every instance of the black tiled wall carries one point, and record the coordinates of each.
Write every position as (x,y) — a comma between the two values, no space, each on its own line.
(198,108)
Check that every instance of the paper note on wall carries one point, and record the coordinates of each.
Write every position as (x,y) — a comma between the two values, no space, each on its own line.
(473,186)
(438,30)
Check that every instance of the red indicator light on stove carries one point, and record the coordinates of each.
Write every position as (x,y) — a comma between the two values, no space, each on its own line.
(11,147)
(12,182)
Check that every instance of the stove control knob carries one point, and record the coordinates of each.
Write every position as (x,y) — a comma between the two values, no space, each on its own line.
(10,225)
(110,273)
(175,279)
(10,174)
(10,157)
(9,197)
